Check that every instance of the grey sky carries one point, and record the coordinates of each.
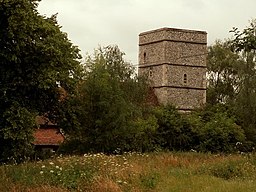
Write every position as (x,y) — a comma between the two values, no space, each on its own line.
(90,23)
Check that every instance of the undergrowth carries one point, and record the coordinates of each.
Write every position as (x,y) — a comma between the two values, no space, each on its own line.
(135,172)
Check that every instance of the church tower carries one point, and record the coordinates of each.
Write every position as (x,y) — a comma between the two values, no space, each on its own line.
(174,60)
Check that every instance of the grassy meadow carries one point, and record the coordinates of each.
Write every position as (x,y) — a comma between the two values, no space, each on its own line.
(135,172)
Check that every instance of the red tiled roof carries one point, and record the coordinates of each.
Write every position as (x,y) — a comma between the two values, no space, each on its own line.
(48,136)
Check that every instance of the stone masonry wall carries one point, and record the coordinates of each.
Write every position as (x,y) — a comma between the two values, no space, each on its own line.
(173,34)
(196,77)
(185,53)
(175,62)
(184,99)
(152,53)
(154,75)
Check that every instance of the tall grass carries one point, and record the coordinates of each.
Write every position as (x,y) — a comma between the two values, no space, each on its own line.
(135,172)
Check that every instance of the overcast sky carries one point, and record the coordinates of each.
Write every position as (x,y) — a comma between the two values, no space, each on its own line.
(90,23)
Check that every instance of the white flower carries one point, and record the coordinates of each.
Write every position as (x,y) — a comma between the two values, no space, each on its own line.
(51,163)
(57,167)
(43,166)
(41,172)
(51,171)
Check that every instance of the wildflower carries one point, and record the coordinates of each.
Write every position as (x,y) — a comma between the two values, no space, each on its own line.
(51,171)
(238,143)
(43,166)
(41,172)
(51,163)
(57,167)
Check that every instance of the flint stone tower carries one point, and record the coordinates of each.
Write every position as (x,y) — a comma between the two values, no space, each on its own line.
(175,62)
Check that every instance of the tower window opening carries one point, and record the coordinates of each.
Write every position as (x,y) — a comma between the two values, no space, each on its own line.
(144,57)
(185,78)
(150,73)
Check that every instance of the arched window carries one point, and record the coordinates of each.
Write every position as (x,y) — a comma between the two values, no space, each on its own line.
(185,78)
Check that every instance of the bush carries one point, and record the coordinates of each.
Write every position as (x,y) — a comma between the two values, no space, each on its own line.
(212,129)
(216,131)
(72,146)
(144,139)
(175,131)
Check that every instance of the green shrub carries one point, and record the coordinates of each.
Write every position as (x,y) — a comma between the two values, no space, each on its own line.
(175,131)
(230,169)
(144,137)
(150,181)
(227,171)
(73,146)
(215,131)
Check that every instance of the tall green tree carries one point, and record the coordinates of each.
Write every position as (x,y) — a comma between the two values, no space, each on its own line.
(223,68)
(109,103)
(244,44)
(36,58)
(232,77)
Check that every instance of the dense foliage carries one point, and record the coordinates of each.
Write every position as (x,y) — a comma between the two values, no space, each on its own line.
(174,132)
(108,104)
(212,129)
(232,77)
(103,106)
(35,58)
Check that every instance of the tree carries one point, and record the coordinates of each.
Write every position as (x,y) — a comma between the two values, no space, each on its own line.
(108,103)
(35,59)
(244,43)
(232,77)
(223,67)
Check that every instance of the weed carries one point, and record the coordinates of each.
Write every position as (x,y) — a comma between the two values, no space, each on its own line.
(133,172)
(150,180)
